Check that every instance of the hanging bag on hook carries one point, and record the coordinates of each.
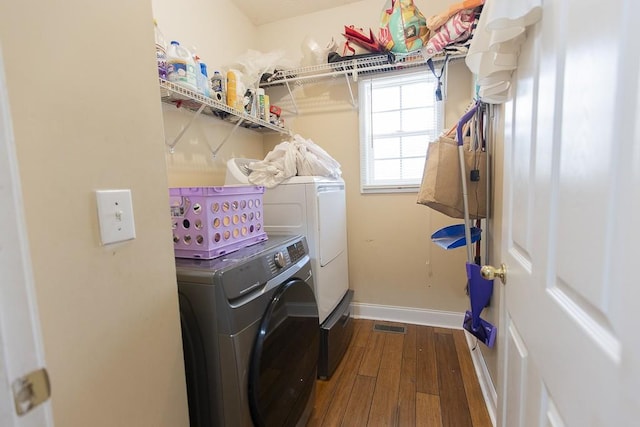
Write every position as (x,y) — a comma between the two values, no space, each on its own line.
(403,28)
(441,187)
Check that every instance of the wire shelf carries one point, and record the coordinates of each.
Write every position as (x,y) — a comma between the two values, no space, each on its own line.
(182,97)
(359,65)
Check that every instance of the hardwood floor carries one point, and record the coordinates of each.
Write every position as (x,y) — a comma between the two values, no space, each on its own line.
(424,377)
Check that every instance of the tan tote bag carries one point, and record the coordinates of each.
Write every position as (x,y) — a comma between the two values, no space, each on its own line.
(441,187)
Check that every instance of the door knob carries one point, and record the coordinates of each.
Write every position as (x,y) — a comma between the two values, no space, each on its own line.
(489,272)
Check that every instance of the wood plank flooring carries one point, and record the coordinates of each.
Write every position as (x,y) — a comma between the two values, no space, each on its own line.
(424,377)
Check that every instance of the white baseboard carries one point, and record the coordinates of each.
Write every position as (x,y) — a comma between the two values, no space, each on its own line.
(444,319)
(416,316)
(486,385)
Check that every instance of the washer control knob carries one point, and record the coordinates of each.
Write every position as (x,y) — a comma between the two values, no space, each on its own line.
(279,259)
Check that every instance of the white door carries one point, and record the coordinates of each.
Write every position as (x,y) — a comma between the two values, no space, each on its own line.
(570,335)
(20,345)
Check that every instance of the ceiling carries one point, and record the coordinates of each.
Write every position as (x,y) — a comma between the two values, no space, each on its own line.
(267,11)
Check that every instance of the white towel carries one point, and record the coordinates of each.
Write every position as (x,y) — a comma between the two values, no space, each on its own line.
(494,49)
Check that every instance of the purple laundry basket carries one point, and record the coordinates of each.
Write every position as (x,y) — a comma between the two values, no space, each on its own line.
(209,222)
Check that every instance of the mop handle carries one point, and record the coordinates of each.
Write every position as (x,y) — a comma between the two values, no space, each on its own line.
(465,201)
(463,175)
(467,116)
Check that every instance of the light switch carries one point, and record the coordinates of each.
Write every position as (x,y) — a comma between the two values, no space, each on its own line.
(115,214)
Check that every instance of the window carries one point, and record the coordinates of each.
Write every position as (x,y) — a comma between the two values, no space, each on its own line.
(399,116)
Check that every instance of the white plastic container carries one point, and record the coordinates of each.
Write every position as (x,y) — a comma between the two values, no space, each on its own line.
(181,68)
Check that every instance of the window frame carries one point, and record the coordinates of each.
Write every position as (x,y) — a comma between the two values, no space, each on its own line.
(367,184)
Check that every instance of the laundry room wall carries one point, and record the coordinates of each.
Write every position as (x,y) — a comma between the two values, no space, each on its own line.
(83,97)
(392,261)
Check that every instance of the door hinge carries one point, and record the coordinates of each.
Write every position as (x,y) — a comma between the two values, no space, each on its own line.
(31,390)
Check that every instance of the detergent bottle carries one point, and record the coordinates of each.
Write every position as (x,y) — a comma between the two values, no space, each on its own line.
(181,68)
(161,51)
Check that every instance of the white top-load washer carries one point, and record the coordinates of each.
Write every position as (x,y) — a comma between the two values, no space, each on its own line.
(314,207)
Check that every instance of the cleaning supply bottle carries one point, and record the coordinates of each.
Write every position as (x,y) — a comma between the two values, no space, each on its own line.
(161,51)
(204,80)
(181,69)
(217,87)
(196,61)
(261,104)
(201,80)
(232,94)
(267,109)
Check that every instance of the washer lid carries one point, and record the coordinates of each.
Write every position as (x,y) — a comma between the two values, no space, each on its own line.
(300,179)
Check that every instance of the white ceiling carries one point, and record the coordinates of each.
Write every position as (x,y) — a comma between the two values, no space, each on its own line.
(266,11)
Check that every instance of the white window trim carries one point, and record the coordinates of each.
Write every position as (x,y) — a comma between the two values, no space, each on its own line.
(364,93)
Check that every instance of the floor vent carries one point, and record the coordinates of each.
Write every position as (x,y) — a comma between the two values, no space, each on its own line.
(388,328)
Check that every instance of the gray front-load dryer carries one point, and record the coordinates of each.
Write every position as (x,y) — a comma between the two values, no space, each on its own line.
(250,335)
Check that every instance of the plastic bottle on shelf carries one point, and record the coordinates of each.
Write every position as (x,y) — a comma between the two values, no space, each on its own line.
(267,108)
(204,80)
(161,51)
(181,69)
(250,102)
(218,87)
(232,89)
(262,108)
(196,61)
(201,76)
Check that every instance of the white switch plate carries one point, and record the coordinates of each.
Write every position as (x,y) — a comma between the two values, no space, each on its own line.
(115,214)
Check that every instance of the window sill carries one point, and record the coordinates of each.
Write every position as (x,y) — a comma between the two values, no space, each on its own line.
(387,189)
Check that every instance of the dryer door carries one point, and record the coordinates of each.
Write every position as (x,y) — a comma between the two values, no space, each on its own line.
(332,223)
(284,360)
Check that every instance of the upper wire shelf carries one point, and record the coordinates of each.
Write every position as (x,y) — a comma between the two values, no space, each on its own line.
(383,62)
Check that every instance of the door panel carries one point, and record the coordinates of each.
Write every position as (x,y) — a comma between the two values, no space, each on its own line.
(551,416)
(571,193)
(517,368)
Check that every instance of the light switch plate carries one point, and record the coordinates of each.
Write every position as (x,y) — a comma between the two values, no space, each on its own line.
(115,214)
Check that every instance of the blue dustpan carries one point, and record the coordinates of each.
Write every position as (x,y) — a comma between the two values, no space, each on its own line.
(452,237)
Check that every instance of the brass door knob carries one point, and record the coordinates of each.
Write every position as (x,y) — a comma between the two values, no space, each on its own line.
(489,272)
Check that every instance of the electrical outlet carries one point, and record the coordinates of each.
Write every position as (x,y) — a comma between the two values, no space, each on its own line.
(115,215)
